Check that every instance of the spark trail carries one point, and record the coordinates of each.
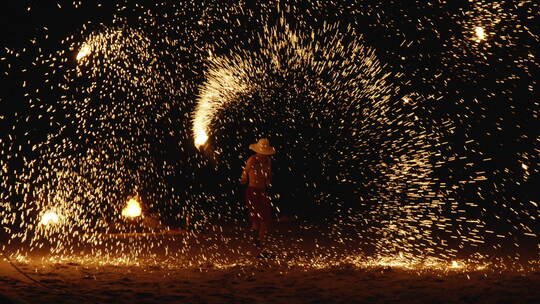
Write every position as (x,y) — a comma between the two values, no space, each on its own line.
(344,87)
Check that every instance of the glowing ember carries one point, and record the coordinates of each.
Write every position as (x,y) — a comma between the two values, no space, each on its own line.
(480,33)
(133,208)
(455,265)
(49,218)
(84,51)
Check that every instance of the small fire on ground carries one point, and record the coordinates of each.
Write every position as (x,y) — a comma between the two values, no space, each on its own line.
(132,209)
(49,218)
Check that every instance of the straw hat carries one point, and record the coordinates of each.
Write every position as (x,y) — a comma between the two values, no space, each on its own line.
(263,147)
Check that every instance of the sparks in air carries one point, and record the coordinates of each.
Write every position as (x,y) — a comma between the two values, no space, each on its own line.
(132,209)
(128,78)
(84,52)
(223,83)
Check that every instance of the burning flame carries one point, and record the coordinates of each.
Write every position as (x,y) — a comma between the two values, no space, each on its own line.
(84,51)
(132,209)
(49,218)
(480,33)
(200,138)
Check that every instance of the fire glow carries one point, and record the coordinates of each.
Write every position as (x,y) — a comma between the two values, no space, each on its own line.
(49,218)
(200,138)
(480,33)
(84,52)
(132,209)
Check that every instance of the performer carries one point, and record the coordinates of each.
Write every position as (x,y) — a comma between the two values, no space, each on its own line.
(258,171)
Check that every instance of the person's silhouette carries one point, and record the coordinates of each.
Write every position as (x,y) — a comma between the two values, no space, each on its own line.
(258,172)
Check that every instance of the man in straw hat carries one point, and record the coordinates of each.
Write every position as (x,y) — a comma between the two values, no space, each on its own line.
(258,172)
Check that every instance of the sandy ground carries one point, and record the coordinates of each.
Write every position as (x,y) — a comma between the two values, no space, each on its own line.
(75,283)
(244,278)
